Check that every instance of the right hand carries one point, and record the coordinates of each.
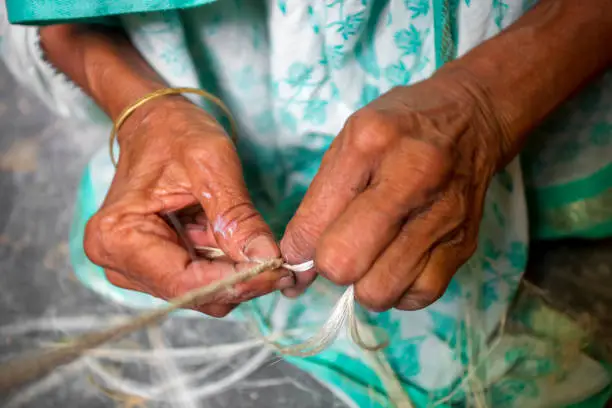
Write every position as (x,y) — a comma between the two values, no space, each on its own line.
(175,155)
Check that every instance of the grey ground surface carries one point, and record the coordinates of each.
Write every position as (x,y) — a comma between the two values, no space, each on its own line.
(41,159)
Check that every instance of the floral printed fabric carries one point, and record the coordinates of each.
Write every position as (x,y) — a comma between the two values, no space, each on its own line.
(292,72)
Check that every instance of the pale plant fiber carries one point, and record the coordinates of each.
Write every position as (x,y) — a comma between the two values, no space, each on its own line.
(174,387)
(32,366)
(18,371)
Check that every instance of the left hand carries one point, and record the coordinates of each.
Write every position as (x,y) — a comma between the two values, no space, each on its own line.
(397,202)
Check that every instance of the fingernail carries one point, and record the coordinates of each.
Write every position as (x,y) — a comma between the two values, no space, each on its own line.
(261,248)
(196,227)
(292,293)
(285,282)
(413,302)
(201,219)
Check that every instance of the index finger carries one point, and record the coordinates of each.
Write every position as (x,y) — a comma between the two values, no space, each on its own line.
(339,180)
(218,184)
(146,250)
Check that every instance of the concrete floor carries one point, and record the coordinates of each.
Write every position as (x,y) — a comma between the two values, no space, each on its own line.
(41,159)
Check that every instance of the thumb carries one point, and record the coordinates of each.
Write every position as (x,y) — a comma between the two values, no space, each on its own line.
(339,180)
(217,182)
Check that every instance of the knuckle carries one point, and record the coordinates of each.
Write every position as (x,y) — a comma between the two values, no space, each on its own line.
(336,264)
(235,213)
(299,241)
(98,239)
(369,131)
(115,279)
(372,299)
(429,292)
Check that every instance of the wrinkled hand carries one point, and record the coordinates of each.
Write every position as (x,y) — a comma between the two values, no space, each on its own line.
(174,155)
(396,204)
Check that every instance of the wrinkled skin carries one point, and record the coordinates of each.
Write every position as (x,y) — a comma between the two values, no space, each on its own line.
(174,155)
(394,209)
(396,205)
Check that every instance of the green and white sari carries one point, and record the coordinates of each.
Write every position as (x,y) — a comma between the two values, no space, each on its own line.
(289,107)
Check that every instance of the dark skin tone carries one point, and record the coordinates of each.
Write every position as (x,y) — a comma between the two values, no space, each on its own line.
(173,155)
(396,204)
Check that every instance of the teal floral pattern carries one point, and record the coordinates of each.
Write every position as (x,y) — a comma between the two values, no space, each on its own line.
(505,392)
(292,73)
(368,94)
(398,74)
(403,354)
(501,9)
(419,8)
(502,270)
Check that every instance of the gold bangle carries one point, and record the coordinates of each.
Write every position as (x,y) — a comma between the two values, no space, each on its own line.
(162,92)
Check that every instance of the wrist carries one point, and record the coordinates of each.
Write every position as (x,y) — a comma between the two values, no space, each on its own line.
(102,62)
(489,118)
(168,116)
(154,114)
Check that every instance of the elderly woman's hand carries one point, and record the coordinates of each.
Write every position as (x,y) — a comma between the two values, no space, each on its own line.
(174,155)
(396,205)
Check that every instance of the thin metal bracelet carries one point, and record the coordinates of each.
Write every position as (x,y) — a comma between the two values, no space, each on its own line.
(163,92)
